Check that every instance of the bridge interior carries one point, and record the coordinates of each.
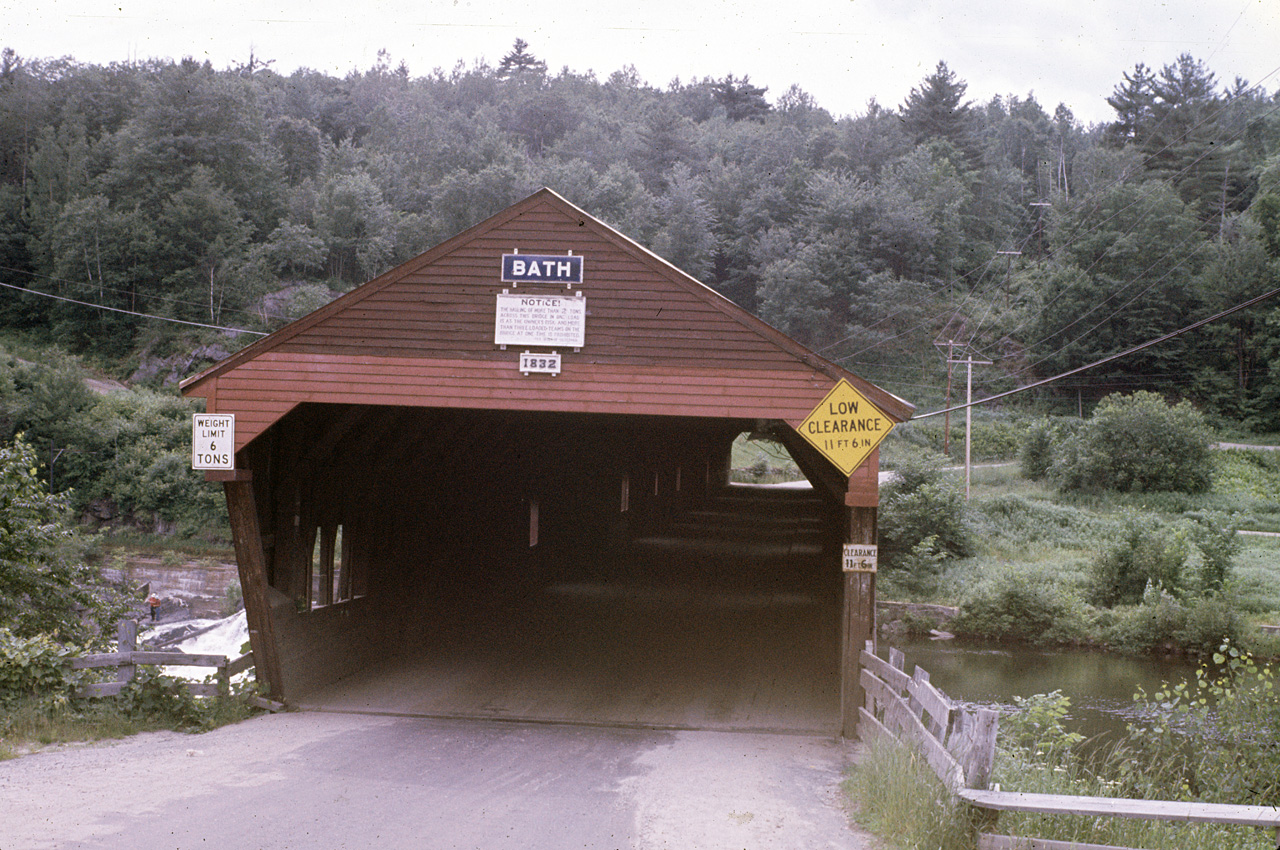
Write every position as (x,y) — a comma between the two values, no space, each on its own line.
(549,568)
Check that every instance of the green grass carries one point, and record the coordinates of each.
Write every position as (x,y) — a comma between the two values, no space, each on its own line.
(894,793)
(1027,527)
(1256,576)
(31,724)
(761,462)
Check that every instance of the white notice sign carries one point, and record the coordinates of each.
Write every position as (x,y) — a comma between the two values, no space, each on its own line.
(551,320)
(213,441)
(860,558)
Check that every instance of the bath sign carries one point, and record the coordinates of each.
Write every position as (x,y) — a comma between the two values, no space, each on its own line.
(845,427)
(542,268)
(859,558)
(213,441)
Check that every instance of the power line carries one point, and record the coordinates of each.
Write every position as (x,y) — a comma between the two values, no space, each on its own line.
(1251,302)
(127,312)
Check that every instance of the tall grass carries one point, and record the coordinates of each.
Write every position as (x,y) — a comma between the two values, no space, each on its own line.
(895,794)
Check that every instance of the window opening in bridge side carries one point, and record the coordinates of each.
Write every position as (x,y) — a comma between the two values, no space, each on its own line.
(332,568)
(758,459)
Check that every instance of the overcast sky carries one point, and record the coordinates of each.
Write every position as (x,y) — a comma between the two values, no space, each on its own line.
(843,52)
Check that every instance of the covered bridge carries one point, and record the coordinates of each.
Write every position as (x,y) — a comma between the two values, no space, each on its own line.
(494,481)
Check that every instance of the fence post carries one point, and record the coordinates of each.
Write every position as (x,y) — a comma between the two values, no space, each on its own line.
(975,745)
(126,644)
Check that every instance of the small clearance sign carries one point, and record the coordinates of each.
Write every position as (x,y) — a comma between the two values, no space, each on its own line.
(860,559)
(845,427)
(213,441)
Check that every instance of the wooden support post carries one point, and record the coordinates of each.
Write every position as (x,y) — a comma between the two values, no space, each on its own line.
(243,512)
(858,621)
(126,644)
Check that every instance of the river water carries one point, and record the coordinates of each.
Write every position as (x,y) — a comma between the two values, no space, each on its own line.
(1100,685)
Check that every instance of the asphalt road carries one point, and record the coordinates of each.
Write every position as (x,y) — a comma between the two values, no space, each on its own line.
(318,780)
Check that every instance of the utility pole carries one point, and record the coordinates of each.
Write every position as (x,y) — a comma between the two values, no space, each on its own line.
(969,362)
(946,426)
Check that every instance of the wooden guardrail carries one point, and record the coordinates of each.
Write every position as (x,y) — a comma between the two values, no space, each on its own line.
(959,745)
(127,657)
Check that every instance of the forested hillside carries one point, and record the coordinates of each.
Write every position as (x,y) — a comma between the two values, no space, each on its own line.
(189,192)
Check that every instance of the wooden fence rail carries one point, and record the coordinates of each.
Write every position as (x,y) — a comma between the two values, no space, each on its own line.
(959,745)
(127,657)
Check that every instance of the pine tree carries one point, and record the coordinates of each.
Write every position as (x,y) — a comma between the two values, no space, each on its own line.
(521,66)
(936,109)
(741,100)
(1134,103)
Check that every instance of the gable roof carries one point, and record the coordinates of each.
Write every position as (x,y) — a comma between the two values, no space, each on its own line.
(656,340)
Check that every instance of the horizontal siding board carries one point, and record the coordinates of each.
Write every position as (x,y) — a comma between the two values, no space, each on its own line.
(267,387)
(401,369)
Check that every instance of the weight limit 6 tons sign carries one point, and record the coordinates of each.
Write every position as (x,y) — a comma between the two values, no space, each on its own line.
(213,441)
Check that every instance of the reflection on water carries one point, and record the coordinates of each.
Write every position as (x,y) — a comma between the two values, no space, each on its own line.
(1101,686)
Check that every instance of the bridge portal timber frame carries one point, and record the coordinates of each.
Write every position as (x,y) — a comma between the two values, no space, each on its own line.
(331,411)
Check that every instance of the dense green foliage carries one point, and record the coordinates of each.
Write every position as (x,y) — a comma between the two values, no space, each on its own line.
(123,456)
(1180,748)
(35,666)
(1023,605)
(1214,737)
(45,587)
(1137,443)
(921,523)
(1149,572)
(1212,740)
(180,190)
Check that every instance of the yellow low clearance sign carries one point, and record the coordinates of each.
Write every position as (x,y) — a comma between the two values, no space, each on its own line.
(845,427)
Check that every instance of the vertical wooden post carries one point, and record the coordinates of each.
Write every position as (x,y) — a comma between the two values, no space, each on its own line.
(243,512)
(126,642)
(858,622)
(328,540)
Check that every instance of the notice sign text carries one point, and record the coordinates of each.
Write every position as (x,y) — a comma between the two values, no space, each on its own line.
(558,321)
(213,441)
(860,559)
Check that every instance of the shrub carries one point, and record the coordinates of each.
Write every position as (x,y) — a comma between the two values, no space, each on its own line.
(918,504)
(34,666)
(1162,623)
(1218,540)
(1138,443)
(1150,554)
(155,698)
(1035,731)
(43,587)
(1214,737)
(1035,607)
(915,572)
(1039,443)
(1035,458)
